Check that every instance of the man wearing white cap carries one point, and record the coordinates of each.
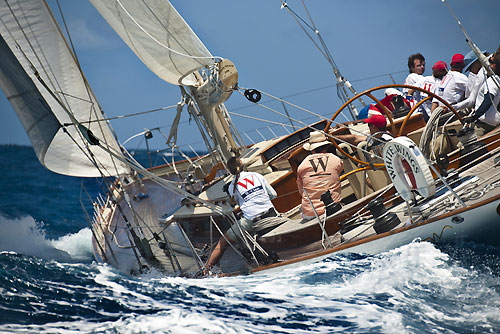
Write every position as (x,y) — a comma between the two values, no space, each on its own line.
(318,173)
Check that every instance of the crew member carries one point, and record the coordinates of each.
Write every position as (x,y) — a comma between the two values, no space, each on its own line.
(253,194)
(416,65)
(487,115)
(430,83)
(318,173)
(452,87)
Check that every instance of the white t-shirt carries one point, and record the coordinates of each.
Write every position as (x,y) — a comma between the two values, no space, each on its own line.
(411,80)
(253,194)
(492,116)
(474,84)
(452,88)
(429,83)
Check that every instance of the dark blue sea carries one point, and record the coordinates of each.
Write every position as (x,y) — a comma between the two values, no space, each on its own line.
(50,283)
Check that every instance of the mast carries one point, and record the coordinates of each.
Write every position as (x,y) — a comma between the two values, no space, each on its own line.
(160,37)
(209,98)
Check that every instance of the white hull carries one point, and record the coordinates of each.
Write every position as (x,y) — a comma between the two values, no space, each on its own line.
(479,224)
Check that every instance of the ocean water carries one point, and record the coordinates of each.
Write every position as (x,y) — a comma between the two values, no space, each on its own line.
(50,283)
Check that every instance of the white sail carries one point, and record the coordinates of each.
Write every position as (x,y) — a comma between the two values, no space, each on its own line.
(159,36)
(34,37)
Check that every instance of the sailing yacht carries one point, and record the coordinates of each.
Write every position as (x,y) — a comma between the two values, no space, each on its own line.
(169,217)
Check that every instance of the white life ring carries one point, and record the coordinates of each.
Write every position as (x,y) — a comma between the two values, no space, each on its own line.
(408,168)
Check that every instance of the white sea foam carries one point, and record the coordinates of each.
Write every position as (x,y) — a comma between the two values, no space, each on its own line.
(393,292)
(27,236)
(78,245)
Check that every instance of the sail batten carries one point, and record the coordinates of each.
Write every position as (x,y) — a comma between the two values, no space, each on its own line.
(33,43)
(159,36)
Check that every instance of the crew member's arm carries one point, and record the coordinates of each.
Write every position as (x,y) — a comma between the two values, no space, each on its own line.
(299,183)
(270,190)
(351,139)
(468,102)
(487,102)
(434,106)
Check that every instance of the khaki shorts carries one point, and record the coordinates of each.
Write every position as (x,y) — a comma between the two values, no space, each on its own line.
(234,232)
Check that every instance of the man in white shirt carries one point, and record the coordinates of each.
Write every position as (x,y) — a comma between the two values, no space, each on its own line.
(416,65)
(452,87)
(253,194)
(486,115)
(475,80)
(429,83)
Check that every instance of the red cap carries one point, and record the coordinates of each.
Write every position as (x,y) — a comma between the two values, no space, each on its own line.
(457,58)
(440,65)
(377,120)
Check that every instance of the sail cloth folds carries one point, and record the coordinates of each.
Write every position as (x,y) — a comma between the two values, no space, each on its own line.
(40,123)
(31,35)
(159,36)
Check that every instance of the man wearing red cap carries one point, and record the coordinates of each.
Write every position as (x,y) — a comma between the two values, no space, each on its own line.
(430,84)
(452,87)
(374,142)
(377,126)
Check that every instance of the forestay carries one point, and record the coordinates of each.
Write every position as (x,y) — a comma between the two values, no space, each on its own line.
(159,36)
(32,36)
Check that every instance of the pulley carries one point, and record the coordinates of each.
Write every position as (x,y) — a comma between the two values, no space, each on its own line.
(253,95)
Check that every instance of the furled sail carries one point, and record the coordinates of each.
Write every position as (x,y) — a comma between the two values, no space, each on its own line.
(159,36)
(32,40)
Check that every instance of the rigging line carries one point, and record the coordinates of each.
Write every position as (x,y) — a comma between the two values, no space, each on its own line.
(78,126)
(323,51)
(262,120)
(92,158)
(342,82)
(316,31)
(296,17)
(30,44)
(325,87)
(130,115)
(36,73)
(326,134)
(474,47)
(98,113)
(141,170)
(284,4)
(49,73)
(293,105)
(160,43)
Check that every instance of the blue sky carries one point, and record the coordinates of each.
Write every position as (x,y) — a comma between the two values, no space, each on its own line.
(367,38)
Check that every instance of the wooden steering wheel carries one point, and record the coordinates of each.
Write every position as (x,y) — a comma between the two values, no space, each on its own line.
(387,113)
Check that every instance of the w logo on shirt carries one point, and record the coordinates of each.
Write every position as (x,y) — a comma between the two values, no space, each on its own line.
(320,162)
(248,180)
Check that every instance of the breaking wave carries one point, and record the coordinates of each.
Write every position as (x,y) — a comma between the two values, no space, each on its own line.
(417,288)
(27,236)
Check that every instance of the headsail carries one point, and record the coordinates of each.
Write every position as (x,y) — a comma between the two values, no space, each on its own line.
(159,36)
(32,36)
